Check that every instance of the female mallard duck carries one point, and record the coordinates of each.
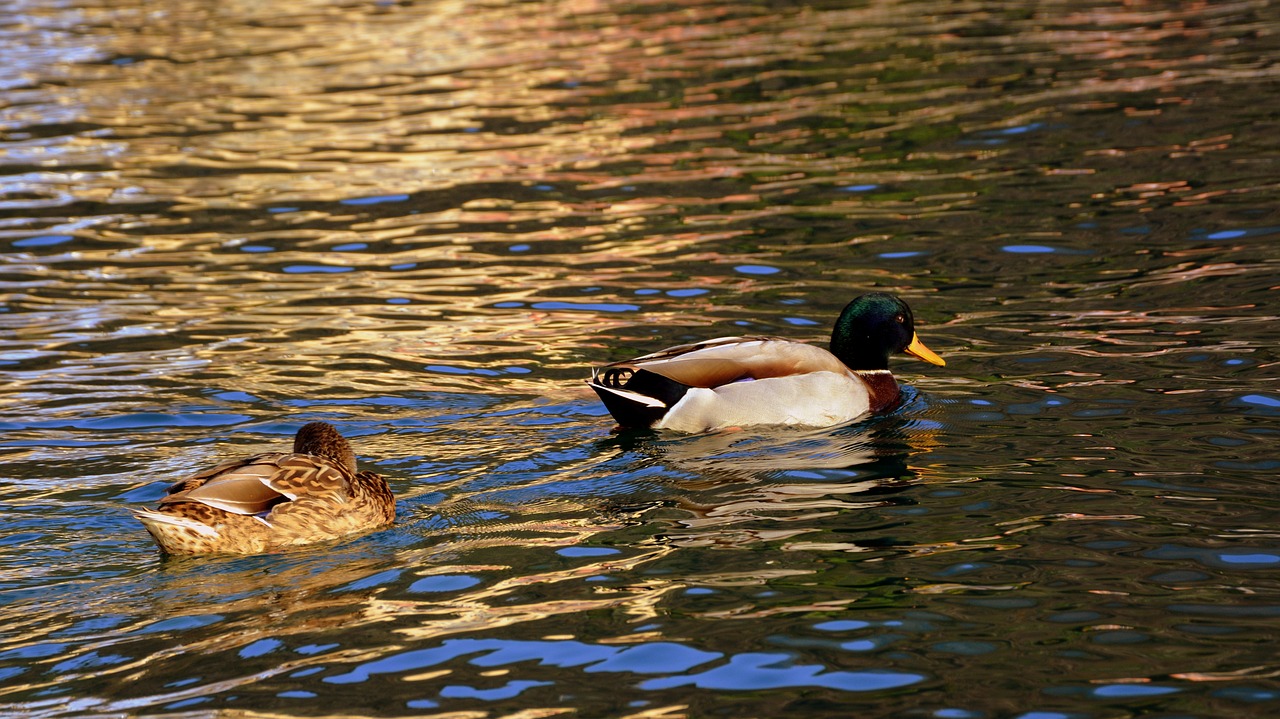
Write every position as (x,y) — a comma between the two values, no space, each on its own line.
(741,381)
(272,501)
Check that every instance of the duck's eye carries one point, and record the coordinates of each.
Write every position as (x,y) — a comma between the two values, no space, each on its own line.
(901,318)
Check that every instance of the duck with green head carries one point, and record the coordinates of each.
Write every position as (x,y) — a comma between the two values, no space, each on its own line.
(746,381)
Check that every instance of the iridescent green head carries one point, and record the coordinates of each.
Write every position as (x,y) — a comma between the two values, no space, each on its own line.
(874,326)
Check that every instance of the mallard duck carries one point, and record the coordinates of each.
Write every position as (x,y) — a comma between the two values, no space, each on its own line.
(743,381)
(271,501)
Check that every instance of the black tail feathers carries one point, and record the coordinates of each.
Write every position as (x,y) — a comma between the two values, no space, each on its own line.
(632,411)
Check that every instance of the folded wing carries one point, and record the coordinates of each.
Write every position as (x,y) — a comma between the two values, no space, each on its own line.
(726,359)
(257,484)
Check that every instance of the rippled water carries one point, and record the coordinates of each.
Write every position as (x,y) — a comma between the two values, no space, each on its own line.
(423,222)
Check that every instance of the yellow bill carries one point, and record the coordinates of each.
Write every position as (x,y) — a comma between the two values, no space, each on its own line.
(917,349)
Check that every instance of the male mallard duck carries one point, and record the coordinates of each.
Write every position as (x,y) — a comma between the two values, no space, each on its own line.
(272,501)
(740,381)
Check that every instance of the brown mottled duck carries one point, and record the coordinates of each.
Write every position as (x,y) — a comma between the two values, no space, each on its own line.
(272,501)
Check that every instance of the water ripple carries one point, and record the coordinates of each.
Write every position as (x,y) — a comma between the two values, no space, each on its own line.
(423,222)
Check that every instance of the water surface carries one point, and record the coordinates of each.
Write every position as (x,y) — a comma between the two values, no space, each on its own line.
(423,222)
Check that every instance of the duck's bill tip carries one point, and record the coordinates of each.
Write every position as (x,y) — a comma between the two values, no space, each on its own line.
(917,349)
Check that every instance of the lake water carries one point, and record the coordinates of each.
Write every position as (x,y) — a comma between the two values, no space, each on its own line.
(424,221)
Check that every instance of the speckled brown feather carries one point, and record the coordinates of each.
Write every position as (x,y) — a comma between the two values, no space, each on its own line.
(271,501)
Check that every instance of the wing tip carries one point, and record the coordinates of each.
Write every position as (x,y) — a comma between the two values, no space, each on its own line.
(630,409)
(152,518)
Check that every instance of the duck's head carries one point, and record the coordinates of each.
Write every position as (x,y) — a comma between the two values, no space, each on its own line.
(323,440)
(874,326)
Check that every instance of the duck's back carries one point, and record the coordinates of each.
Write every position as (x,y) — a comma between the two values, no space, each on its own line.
(727,359)
(266,502)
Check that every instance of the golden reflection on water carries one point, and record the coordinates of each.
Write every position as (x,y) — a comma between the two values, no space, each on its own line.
(486,610)
(233,108)
(300,602)
(427,219)
(689,124)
